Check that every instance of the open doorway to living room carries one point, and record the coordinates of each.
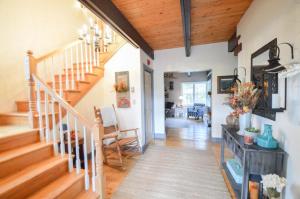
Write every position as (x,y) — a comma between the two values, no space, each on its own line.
(187,105)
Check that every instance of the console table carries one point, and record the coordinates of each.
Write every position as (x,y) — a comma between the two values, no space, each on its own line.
(255,160)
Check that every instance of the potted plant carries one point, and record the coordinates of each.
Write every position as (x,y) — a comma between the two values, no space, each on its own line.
(242,102)
(250,135)
(273,185)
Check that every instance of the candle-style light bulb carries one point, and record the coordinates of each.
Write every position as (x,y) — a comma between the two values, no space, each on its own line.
(91,21)
(84,29)
(80,32)
(88,39)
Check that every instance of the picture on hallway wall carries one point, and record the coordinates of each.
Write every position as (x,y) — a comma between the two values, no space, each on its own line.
(225,84)
(122,89)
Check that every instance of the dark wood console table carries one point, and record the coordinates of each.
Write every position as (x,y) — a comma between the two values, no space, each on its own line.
(255,160)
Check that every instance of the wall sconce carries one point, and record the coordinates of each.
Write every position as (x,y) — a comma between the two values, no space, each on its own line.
(236,78)
(274,58)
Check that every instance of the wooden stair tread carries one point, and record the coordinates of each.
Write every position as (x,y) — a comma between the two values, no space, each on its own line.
(54,189)
(18,138)
(42,101)
(29,172)
(87,195)
(66,90)
(76,81)
(11,154)
(23,114)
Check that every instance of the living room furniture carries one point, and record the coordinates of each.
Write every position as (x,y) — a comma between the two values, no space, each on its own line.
(196,111)
(169,109)
(180,112)
(121,142)
(254,159)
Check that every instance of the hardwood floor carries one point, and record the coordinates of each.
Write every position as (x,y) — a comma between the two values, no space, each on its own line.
(181,134)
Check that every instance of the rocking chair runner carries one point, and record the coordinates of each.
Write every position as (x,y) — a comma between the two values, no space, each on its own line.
(115,139)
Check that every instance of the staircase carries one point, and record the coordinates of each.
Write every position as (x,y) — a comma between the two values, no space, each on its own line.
(33,163)
(72,96)
(29,168)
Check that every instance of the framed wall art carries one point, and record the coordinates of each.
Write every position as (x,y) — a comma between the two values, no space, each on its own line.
(122,89)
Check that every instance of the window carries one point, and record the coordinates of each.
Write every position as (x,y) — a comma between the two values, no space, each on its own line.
(193,93)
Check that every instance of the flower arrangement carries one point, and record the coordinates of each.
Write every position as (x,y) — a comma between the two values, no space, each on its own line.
(121,87)
(244,98)
(273,184)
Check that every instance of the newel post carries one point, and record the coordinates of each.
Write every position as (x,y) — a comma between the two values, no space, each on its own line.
(98,135)
(30,69)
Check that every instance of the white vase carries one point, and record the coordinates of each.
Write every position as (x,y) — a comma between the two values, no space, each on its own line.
(245,122)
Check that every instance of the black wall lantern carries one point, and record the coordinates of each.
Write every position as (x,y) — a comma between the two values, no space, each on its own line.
(274,55)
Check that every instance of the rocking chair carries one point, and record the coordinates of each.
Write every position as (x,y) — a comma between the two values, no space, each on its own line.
(114,139)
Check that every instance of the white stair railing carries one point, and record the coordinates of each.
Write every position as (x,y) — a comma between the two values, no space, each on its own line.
(90,133)
(50,112)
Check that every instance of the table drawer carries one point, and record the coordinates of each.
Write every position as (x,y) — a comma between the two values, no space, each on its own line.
(239,152)
(229,142)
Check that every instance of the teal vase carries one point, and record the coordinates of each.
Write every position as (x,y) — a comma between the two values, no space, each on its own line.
(266,140)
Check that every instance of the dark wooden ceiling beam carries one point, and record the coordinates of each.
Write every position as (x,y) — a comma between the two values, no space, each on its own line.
(107,11)
(186,23)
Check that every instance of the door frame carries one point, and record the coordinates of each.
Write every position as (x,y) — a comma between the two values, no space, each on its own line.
(149,70)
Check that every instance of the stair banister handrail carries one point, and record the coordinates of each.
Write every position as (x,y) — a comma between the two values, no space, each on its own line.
(95,128)
(57,51)
(62,102)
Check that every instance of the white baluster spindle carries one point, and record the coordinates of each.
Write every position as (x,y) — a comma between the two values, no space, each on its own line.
(91,58)
(98,57)
(60,77)
(47,130)
(82,61)
(69,144)
(77,63)
(94,53)
(86,166)
(93,162)
(67,70)
(55,146)
(72,71)
(78,162)
(39,110)
(86,57)
(61,133)
(53,73)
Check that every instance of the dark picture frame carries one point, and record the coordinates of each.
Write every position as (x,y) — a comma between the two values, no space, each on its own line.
(171,85)
(224,84)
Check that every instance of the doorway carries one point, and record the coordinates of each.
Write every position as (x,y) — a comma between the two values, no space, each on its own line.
(187,106)
(148,105)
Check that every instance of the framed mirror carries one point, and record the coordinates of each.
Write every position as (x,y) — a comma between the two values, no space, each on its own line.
(265,82)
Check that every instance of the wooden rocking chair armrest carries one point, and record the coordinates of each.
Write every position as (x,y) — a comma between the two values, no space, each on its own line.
(126,130)
(110,135)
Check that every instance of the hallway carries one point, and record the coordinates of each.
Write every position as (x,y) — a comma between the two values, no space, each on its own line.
(182,166)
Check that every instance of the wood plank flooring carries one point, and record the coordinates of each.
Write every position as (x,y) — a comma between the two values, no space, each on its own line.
(191,135)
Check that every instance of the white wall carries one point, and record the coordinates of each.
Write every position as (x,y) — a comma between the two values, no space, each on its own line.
(103,93)
(180,78)
(264,21)
(203,58)
(34,25)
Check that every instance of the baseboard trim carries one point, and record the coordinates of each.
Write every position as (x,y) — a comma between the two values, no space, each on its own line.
(160,136)
(216,140)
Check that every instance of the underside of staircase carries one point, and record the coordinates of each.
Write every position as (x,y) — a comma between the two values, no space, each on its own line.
(28,166)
